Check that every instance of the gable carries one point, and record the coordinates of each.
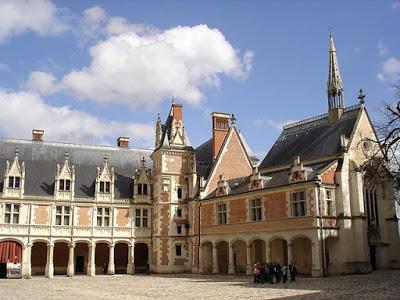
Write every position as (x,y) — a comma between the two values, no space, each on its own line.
(232,161)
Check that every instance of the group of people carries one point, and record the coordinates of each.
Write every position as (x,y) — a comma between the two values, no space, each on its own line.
(273,272)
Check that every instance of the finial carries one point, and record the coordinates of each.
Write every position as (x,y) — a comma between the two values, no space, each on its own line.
(105,159)
(361,97)
(143,162)
(173,100)
(16,152)
(233,119)
(158,117)
(66,155)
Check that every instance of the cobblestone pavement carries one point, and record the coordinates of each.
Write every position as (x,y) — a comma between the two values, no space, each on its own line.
(377,285)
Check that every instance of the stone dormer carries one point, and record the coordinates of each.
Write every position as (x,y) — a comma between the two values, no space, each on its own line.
(14,177)
(105,182)
(141,184)
(223,186)
(298,172)
(65,180)
(256,180)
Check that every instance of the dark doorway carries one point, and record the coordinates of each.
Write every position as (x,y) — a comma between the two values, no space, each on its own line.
(3,270)
(372,256)
(80,264)
(141,258)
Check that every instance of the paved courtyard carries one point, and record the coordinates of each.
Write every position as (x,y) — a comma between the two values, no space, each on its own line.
(378,285)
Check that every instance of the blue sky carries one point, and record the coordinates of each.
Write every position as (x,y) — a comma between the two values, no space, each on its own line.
(90,71)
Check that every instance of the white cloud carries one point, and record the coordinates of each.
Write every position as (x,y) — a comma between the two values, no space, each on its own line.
(390,71)
(42,82)
(26,110)
(94,15)
(92,23)
(382,49)
(138,65)
(19,16)
(396,4)
(272,123)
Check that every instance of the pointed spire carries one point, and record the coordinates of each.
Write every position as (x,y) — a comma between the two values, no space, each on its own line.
(335,85)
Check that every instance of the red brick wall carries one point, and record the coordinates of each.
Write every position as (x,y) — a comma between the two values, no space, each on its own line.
(275,206)
(207,214)
(237,211)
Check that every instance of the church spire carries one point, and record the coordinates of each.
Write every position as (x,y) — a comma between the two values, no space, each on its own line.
(335,85)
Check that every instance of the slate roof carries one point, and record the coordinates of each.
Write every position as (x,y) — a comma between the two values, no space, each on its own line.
(310,139)
(204,161)
(271,179)
(41,160)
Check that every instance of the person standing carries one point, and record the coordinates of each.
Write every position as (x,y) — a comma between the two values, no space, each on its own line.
(293,272)
(284,272)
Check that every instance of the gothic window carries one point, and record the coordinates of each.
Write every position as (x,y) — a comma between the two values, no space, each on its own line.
(64,185)
(14,182)
(103,216)
(11,215)
(62,215)
(105,186)
(141,217)
(256,209)
(371,205)
(299,204)
(221,212)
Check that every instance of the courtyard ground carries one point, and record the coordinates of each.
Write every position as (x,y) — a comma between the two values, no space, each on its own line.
(377,285)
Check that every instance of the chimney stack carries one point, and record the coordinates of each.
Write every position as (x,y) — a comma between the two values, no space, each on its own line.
(220,127)
(123,142)
(37,135)
(177,111)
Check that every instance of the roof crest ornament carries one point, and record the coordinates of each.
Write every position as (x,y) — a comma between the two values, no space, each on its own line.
(361,97)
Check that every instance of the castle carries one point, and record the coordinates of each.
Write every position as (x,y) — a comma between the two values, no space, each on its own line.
(82,209)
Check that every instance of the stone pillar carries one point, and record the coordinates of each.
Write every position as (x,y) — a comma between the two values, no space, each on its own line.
(290,252)
(316,259)
(267,252)
(111,265)
(131,260)
(200,266)
(149,247)
(49,273)
(215,259)
(91,268)
(231,265)
(26,263)
(71,260)
(249,270)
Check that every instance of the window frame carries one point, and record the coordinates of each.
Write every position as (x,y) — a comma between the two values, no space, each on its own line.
(103,216)
(63,215)
(329,211)
(298,204)
(222,215)
(256,211)
(141,219)
(14,182)
(178,246)
(14,211)
(64,185)
(105,186)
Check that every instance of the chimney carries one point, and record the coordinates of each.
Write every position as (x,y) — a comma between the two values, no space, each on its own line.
(37,135)
(177,111)
(123,142)
(220,127)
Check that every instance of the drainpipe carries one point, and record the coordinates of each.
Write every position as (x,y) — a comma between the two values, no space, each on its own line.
(321,227)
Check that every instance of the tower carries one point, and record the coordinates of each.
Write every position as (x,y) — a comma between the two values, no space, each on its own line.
(334,85)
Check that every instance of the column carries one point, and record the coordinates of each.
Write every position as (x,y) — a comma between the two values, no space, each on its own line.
(231,266)
(49,273)
(26,264)
(149,249)
(91,268)
(249,270)
(316,259)
(290,252)
(267,252)
(215,259)
(131,260)
(200,266)
(111,266)
(71,265)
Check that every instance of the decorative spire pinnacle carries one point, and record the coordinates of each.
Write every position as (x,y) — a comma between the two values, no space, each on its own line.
(233,119)
(173,100)
(335,85)
(143,160)
(361,97)
(16,152)
(66,156)
(158,117)
(105,159)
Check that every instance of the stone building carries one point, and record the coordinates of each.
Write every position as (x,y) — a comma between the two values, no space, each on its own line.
(80,209)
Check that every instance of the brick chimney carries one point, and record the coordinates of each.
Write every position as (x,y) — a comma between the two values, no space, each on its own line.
(177,111)
(220,127)
(123,142)
(37,135)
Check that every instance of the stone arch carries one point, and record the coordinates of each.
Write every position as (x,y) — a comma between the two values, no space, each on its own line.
(10,251)
(331,255)
(39,257)
(12,239)
(239,248)
(103,242)
(81,257)
(141,256)
(61,240)
(61,256)
(207,256)
(257,250)
(101,257)
(302,254)
(222,256)
(278,250)
(121,252)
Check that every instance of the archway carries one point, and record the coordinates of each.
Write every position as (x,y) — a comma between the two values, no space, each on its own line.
(278,251)
(101,258)
(121,258)
(38,258)
(10,252)
(60,259)
(302,255)
(207,257)
(81,254)
(239,256)
(331,255)
(223,256)
(257,251)
(141,258)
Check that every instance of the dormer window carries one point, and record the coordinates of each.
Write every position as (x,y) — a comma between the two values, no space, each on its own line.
(14,182)
(64,185)
(142,188)
(105,186)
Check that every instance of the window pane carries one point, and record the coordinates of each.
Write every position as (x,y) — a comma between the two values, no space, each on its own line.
(144,222)
(99,211)
(179,212)
(137,222)
(58,220)
(8,207)
(179,191)
(67,185)
(145,188)
(66,220)
(179,229)
(98,221)
(139,188)
(16,208)
(102,186)
(17,180)
(15,218)
(7,218)
(61,184)
(108,184)
(144,212)
(66,210)
(106,221)
(137,212)
(178,250)
(106,211)
(58,209)
(11,182)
